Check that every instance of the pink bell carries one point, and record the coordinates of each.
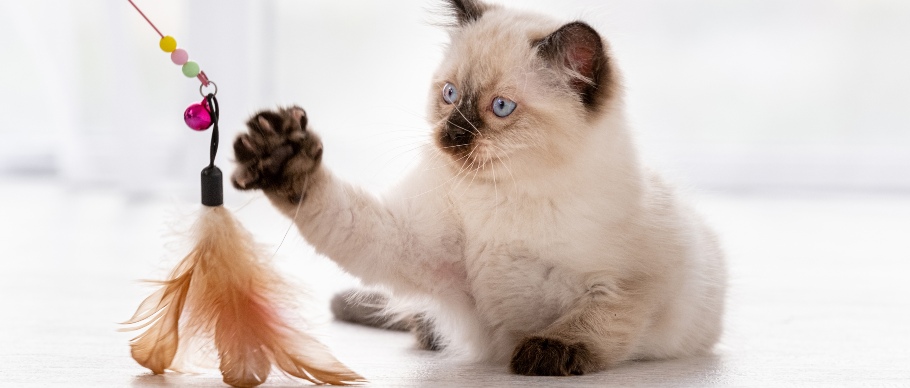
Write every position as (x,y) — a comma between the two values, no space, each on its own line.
(197,116)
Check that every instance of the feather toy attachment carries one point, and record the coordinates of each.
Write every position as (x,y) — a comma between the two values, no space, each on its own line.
(222,289)
(225,292)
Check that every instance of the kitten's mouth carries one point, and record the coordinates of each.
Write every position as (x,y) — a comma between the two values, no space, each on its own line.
(478,156)
(470,150)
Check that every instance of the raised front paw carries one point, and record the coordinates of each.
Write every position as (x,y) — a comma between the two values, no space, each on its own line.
(277,154)
(539,356)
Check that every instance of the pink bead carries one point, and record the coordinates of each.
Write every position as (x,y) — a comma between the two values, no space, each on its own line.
(197,116)
(179,57)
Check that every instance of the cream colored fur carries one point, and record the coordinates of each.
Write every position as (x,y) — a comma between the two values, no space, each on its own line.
(550,228)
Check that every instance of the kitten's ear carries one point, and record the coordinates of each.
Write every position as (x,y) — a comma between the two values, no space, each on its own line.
(466,11)
(579,51)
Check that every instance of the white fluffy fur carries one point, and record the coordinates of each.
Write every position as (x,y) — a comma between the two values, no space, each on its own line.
(551,228)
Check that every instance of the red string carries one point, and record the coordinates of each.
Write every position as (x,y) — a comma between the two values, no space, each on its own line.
(146,18)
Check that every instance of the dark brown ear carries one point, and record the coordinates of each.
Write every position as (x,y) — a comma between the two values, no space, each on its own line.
(466,11)
(579,50)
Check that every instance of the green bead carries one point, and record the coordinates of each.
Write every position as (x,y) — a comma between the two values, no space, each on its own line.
(190,69)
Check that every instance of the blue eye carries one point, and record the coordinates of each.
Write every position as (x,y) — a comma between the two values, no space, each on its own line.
(449,93)
(503,107)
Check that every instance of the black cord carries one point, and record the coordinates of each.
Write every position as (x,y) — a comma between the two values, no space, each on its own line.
(212,107)
(212,186)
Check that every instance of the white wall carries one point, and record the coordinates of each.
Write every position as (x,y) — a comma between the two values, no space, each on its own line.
(731,95)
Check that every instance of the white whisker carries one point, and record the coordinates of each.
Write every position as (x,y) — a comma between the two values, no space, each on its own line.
(461,169)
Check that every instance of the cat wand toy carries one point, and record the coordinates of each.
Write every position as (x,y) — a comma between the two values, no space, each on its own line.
(223,290)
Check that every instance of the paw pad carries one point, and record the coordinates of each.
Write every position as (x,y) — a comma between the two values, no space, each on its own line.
(277,152)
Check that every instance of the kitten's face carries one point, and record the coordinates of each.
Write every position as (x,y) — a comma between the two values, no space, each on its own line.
(510,89)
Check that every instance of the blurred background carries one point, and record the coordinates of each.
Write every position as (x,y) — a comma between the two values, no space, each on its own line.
(744,96)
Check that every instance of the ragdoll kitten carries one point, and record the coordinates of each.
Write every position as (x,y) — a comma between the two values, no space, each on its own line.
(530,224)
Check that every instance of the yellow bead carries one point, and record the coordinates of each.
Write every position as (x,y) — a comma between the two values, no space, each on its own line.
(168,44)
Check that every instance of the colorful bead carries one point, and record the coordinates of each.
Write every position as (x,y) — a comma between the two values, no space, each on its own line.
(190,69)
(197,116)
(168,44)
(179,57)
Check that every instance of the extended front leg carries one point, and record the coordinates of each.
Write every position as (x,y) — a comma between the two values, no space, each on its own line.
(597,333)
(379,243)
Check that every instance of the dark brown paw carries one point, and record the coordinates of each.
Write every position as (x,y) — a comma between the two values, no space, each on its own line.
(539,356)
(277,152)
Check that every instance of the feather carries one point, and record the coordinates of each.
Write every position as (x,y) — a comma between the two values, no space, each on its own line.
(156,347)
(229,295)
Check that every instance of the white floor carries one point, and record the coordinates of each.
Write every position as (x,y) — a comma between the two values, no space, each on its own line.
(819,295)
